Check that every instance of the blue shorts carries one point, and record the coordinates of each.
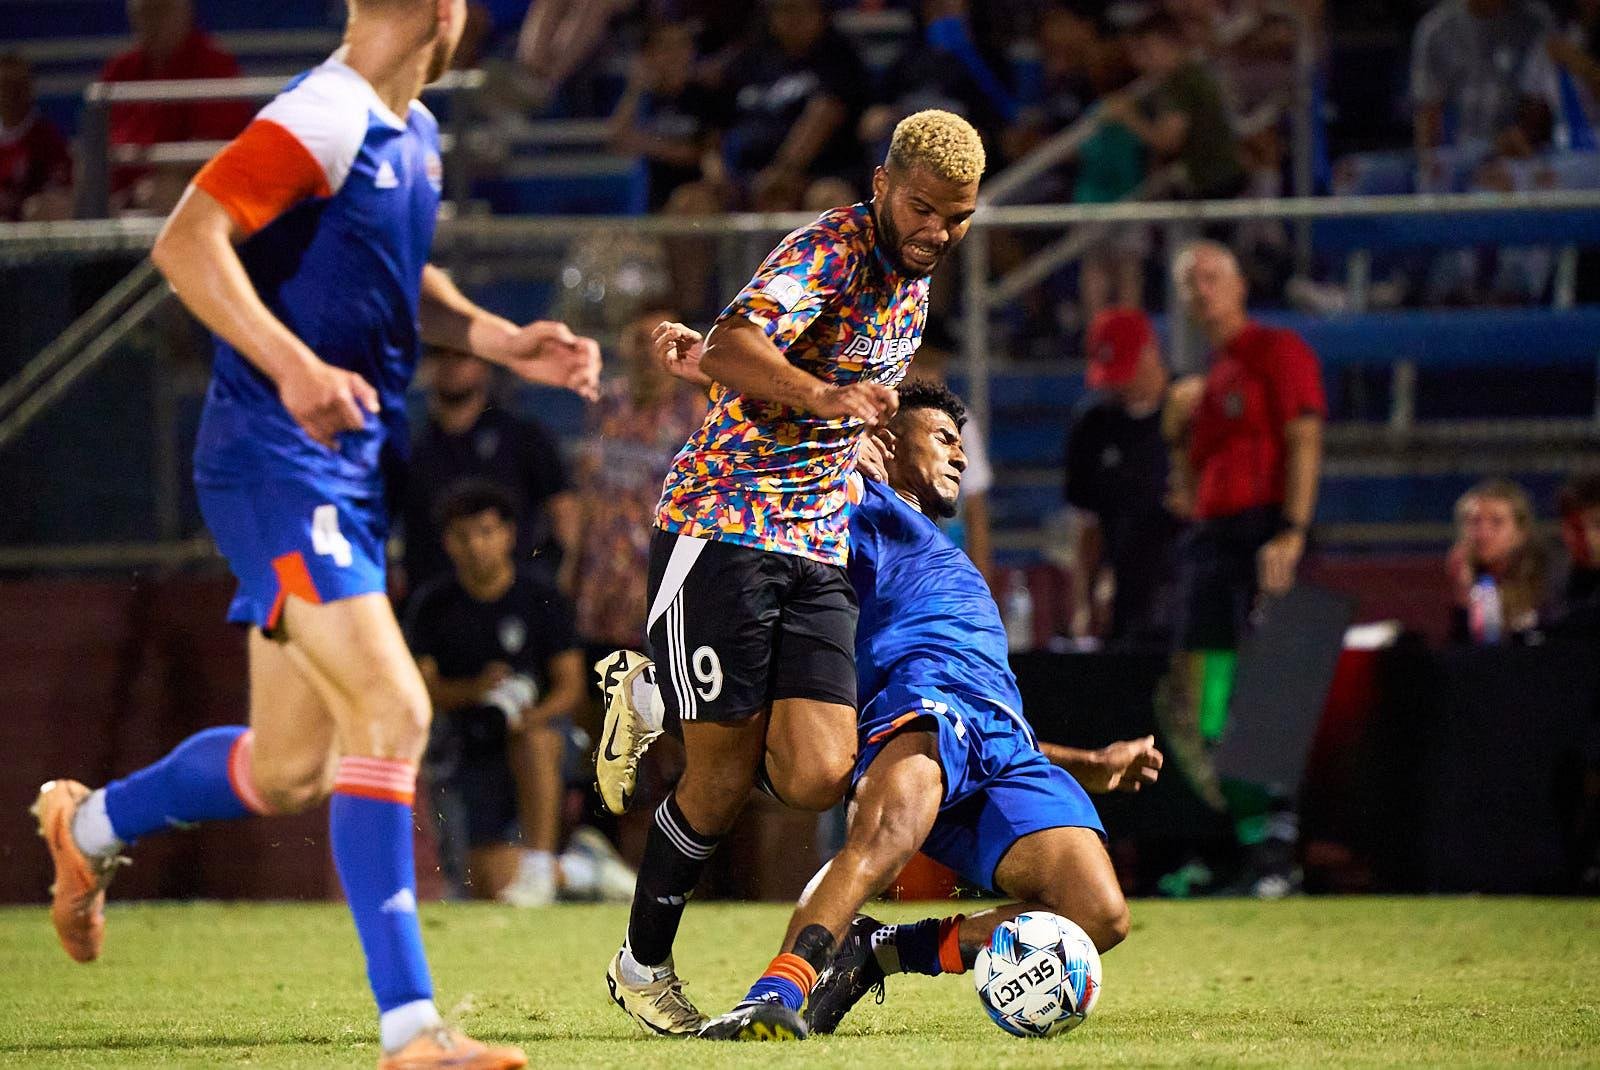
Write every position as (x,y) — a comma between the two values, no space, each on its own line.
(998,787)
(285,535)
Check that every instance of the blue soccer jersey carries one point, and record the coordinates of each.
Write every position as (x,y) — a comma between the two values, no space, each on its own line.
(337,197)
(926,612)
(931,653)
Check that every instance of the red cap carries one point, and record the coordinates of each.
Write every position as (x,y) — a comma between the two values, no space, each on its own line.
(1116,338)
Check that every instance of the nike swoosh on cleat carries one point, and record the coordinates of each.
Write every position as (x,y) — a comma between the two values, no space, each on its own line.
(608,751)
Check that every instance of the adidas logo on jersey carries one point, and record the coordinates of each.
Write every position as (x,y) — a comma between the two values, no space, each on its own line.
(385,178)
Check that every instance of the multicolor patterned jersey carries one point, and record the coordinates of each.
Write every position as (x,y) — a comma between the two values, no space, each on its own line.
(775,478)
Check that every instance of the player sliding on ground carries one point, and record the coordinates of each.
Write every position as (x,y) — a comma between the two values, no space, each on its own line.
(303,246)
(750,611)
(947,764)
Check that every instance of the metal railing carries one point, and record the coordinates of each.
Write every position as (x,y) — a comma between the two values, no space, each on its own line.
(97,159)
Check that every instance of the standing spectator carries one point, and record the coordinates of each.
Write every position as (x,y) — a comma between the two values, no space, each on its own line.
(1472,62)
(666,114)
(467,436)
(1186,118)
(167,45)
(35,161)
(797,98)
(498,653)
(1116,482)
(640,423)
(1576,49)
(1248,465)
(1497,567)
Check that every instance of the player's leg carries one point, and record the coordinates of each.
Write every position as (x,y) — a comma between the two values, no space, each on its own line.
(278,765)
(535,752)
(714,610)
(1063,870)
(354,655)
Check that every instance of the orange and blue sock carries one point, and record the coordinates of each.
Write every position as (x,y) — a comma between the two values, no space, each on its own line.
(788,980)
(370,820)
(204,778)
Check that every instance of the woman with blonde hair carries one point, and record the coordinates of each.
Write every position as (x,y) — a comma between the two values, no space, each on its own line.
(1497,565)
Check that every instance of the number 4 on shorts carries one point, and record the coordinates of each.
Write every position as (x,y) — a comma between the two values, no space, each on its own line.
(326,538)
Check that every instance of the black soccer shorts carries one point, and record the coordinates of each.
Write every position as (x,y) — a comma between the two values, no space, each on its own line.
(734,629)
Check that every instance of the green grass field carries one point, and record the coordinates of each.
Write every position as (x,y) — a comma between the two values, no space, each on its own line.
(1447,982)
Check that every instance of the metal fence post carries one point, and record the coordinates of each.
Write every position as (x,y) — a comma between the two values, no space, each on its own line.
(93,196)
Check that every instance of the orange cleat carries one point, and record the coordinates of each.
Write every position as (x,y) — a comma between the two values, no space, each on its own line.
(79,891)
(443,1048)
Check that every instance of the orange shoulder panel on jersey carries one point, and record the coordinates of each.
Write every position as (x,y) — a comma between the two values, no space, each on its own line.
(261,174)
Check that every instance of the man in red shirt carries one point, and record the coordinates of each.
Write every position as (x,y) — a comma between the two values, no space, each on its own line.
(35,162)
(168,46)
(1247,457)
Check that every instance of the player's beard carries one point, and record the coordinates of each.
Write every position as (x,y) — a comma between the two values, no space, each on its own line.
(891,238)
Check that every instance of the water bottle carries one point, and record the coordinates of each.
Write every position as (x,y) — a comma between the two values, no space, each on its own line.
(1018,614)
(1485,613)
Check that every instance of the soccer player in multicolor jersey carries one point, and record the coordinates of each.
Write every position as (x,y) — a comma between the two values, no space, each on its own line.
(751,613)
(303,246)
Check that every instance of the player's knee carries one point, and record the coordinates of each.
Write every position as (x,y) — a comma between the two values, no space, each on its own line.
(1105,917)
(820,784)
(290,788)
(394,720)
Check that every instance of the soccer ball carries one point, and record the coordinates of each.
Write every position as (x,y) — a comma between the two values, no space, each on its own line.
(1039,976)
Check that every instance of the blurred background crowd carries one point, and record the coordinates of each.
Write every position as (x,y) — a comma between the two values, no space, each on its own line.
(1422,451)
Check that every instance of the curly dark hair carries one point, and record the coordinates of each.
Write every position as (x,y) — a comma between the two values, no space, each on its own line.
(925,394)
(469,497)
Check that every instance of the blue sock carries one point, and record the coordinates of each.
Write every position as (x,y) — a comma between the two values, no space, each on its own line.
(788,980)
(192,783)
(370,820)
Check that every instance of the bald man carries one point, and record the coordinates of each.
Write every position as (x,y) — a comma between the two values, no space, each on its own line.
(1246,459)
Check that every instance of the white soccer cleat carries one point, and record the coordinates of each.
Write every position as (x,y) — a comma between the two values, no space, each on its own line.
(613,879)
(633,721)
(533,886)
(657,1005)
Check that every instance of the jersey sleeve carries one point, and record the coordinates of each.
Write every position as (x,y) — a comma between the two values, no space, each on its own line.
(1296,378)
(299,147)
(799,279)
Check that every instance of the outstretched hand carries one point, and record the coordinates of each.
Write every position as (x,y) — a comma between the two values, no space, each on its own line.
(548,352)
(1127,765)
(678,349)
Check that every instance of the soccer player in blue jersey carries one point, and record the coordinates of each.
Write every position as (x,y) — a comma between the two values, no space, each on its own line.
(946,763)
(303,246)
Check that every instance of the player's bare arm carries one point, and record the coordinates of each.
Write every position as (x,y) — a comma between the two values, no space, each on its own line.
(1127,765)
(195,252)
(543,351)
(739,355)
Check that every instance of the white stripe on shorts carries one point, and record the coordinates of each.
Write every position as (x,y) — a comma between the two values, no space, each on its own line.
(685,552)
(678,662)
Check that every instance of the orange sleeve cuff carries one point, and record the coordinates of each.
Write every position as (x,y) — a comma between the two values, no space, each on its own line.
(261,174)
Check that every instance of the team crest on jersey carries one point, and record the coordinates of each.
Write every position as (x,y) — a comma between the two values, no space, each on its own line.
(881,350)
(435,171)
(513,633)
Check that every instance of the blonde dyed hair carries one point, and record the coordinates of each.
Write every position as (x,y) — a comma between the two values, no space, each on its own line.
(941,141)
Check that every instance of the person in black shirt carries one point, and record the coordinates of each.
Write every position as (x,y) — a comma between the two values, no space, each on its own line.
(1116,479)
(500,656)
(797,96)
(467,436)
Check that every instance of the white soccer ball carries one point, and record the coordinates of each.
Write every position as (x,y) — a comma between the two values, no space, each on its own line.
(1039,976)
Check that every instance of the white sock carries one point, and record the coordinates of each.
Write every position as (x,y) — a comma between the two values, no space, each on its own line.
(537,865)
(91,827)
(647,701)
(397,1027)
(579,873)
(637,973)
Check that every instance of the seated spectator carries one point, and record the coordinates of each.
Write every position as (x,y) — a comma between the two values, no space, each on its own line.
(468,436)
(1497,567)
(498,653)
(1576,51)
(1472,63)
(168,45)
(1186,118)
(797,97)
(35,160)
(640,423)
(1117,483)
(666,114)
